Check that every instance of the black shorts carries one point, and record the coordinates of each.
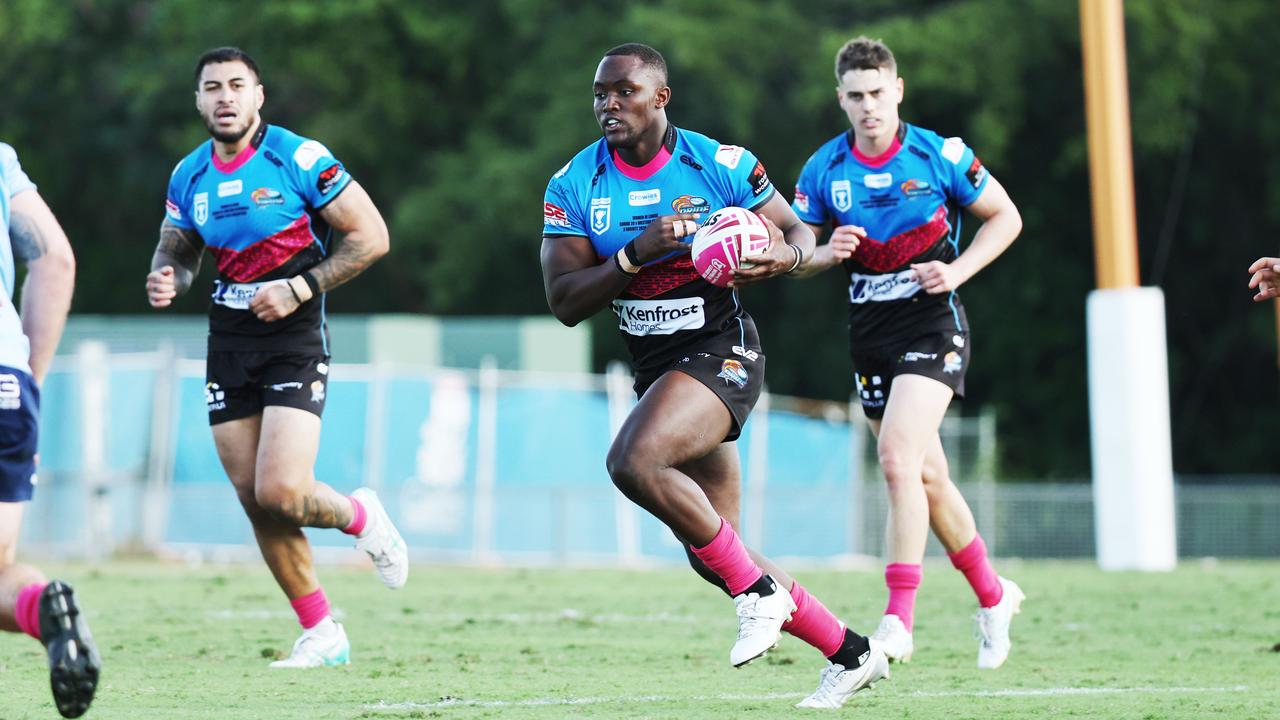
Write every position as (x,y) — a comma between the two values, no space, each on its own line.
(19,434)
(239,384)
(943,356)
(731,365)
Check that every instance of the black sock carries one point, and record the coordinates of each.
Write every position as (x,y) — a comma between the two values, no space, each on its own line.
(853,651)
(762,587)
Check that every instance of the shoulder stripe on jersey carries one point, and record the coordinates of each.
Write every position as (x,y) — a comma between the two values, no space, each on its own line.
(886,255)
(267,254)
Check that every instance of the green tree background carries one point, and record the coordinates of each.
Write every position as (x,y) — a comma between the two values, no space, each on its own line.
(454,115)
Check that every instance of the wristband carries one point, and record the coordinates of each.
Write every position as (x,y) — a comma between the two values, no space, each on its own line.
(300,288)
(799,258)
(617,262)
(633,257)
(625,263)
(311,282)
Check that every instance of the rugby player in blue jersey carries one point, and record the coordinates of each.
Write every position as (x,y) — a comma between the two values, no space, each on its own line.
(892,194)
(264,201)
(617,220)
(46,610)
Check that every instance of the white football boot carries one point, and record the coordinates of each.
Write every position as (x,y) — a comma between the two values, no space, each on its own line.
(382,541)
(837,684)
(992,626)
(320,646)
(894,639)
(760,620)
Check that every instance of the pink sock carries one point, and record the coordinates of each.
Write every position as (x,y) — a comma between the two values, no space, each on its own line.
(813,623)
(26,611)
(728,558)
(903,579)
(358,516)
(311,608)
(973,562)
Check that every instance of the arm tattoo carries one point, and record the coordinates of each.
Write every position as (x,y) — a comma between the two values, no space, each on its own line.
(182,249)
(28,242)
(352,255)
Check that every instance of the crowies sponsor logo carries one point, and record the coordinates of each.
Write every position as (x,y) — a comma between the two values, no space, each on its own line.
(690,204)
(554,215)
(733,372)
(878,181)
(230,187)
(329,178)
(915,188)
(659,317)
(638,198)
(264,196)
(758,178)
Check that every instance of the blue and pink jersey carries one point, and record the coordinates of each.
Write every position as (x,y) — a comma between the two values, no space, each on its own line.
(598,196)
(259,216)
(908,200)
(15,349)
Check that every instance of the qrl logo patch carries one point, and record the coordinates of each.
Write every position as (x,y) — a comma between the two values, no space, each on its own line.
(600,215)
(733,372)
(200,208)
(841,195)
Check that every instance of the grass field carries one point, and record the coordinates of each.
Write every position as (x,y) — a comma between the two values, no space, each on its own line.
(182,642)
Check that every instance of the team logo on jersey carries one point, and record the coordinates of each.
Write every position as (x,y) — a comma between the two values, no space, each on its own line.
(951,363)
(733,372)
(976,172)
(644,197)
(690,204)
(914,188)
(263,197)
(600,215)
(802,201)
(554,215)
(230,187)
(10,392)
(200,208)
(841,195)
(308,153)
(729,155)
(758,178)
(878,181)
(329,178)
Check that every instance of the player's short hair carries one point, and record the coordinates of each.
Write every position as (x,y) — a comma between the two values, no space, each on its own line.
(863,53)
(227,54)
(652,59)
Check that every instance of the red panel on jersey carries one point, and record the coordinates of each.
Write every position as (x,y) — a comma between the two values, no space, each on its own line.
(265,255)
(891,254)
(663,277)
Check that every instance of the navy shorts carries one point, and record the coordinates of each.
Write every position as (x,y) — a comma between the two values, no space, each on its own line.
(734,372)
(943,356)
(19,434)
(240,384)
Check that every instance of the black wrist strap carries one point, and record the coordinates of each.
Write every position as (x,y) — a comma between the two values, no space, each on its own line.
(630,250)
(312,283)
(618,264)
(295,293)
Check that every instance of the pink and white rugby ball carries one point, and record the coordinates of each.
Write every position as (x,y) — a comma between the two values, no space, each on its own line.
(727,236)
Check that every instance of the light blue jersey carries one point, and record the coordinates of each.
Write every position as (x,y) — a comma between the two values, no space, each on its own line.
(15,349)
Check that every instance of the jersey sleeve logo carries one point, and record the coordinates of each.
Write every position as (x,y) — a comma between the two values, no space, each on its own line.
(802,201)
(308,153)
(976,173)
(729,155)
(554,215)
(841,195)
(759,179)
(600,215)
(330,178)
(171,209)
(200,208)
(953,149)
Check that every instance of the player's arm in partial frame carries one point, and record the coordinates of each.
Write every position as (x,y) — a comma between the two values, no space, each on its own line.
(578,285)
(791,243)
(1001,224)
(364,239)
(174,265)
(1265,279)
(838,248)
(39,242)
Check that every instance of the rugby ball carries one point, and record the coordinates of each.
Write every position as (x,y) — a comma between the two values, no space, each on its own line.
(725,237)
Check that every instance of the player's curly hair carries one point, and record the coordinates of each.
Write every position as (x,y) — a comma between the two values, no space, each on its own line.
(651,58)
(863,53)
(227,54)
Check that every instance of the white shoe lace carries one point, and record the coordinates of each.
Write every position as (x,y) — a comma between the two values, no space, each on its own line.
(825,693)
(748,621)
(983,626)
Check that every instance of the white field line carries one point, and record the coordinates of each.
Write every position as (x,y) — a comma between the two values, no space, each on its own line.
(565,615)
(637,699)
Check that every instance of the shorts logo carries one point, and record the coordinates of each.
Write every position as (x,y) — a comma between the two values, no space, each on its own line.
(690,204)
(308,153)
(281,387)
(951,363)
(600,214)
(329,178)
(317,391)
(841,195)
(957,340)
(554,215)
(644,197)
(230,187)
(751,355)
(869,390)
(878,181)
(200,208)
(262,197)
(918,356)
(916,188)
(729,155)
(214,397)
(801,202)
(10,392)
(733,372)
(659,317)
